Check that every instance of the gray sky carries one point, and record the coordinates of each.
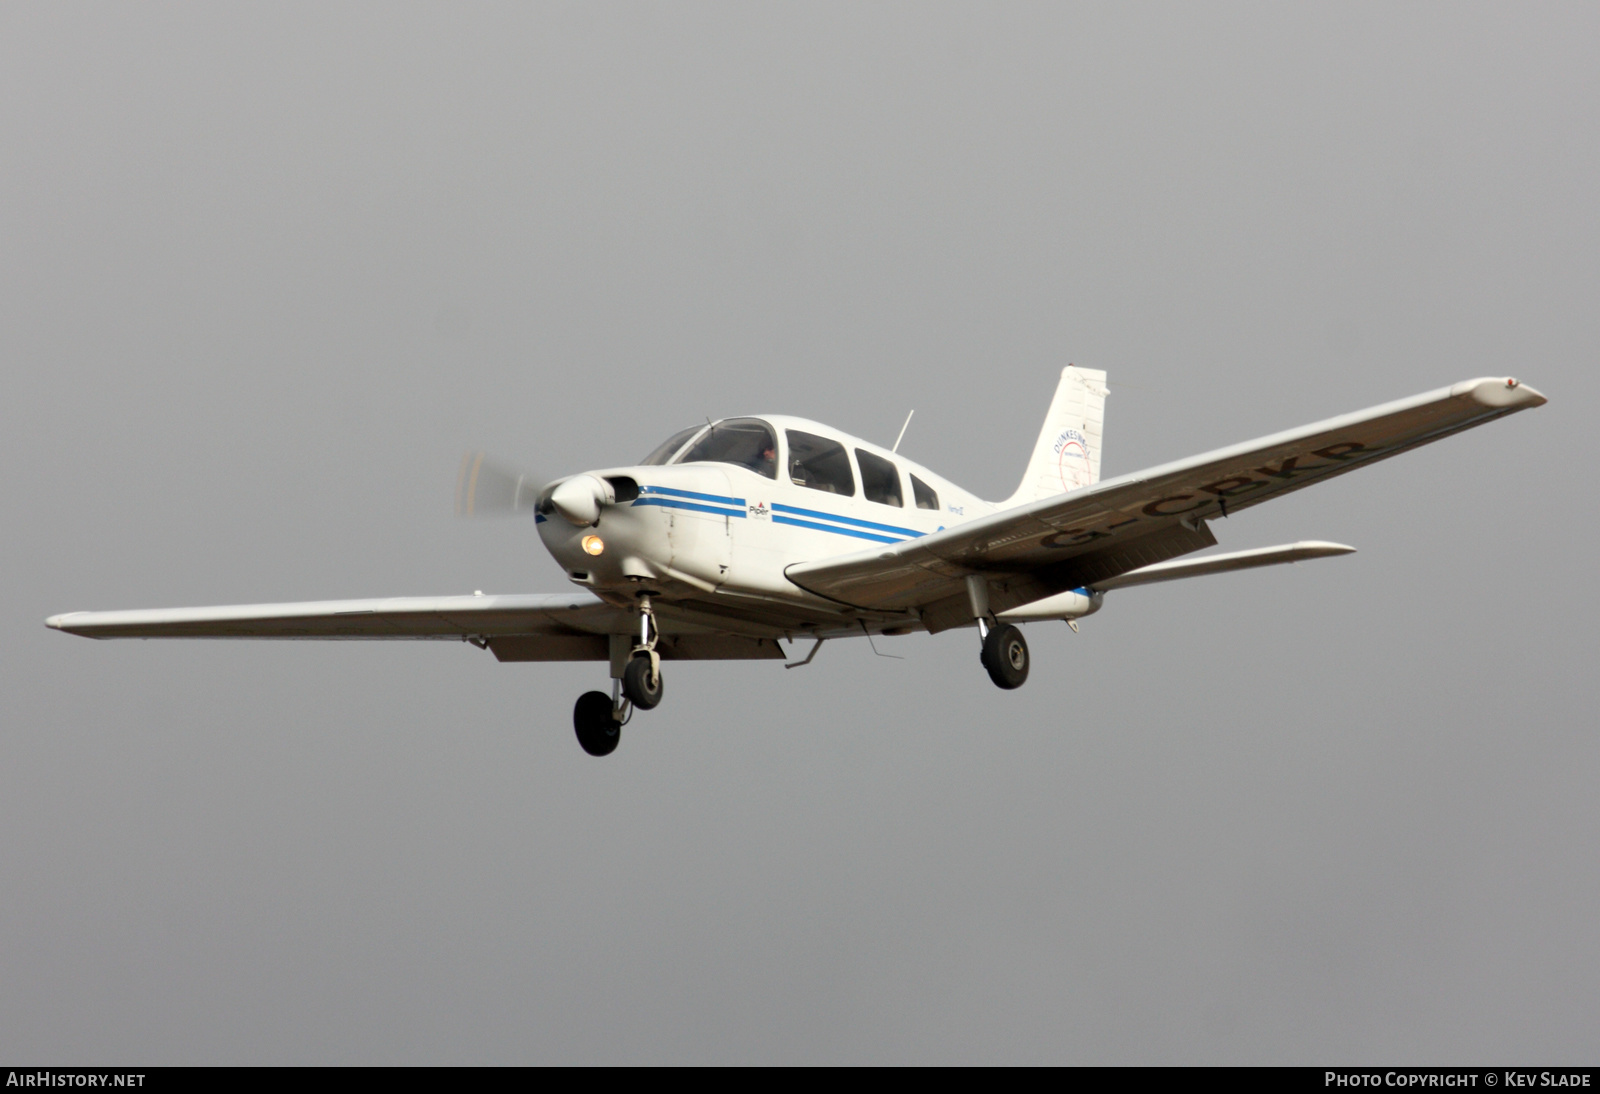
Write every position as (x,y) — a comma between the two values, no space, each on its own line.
(266,272)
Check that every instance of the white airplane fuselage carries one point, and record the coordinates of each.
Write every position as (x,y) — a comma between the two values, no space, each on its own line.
(695,528)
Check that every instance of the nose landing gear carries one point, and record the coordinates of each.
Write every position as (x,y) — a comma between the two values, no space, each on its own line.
(636,684)
(641,679)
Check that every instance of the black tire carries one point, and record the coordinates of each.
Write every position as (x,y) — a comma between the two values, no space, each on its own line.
(598,732)
(641,691)
(1005,655)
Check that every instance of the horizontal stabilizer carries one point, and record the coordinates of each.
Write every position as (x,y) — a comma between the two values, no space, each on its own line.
(1221,564)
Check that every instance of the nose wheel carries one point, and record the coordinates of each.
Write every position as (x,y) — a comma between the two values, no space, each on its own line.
(641,681)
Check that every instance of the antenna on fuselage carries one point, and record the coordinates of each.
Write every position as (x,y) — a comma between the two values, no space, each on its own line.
(902,436)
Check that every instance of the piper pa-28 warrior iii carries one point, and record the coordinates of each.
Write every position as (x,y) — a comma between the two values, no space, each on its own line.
(735,534)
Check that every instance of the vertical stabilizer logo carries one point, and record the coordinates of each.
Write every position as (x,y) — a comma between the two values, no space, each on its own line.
(1072,459)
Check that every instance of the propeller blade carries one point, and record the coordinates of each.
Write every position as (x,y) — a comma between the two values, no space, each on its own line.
(485,488)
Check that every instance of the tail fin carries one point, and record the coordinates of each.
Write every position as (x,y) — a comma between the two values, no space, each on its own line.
(1067,453)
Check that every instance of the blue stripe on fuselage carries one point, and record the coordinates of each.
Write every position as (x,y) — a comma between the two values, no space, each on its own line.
(717,498)
(778,507)
(673,503)
(722,505)
(834,528)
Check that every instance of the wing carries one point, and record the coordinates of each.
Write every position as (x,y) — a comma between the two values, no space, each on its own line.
(1123,524)
(455,617)
(553,627)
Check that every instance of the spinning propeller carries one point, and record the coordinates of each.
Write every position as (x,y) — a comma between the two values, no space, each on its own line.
(485,488)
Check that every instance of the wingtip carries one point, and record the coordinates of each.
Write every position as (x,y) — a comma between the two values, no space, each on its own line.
(1322,547)
(1501,391)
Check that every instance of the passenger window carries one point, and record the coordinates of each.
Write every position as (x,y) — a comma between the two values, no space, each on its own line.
(820,464)
(743,442)
(926,498)
(880,479)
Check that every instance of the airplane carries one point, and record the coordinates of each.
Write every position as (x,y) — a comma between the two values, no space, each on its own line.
(734,534)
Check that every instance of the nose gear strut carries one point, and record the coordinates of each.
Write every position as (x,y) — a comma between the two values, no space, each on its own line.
(641,680)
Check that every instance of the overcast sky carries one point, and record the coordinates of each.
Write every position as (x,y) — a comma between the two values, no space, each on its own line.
(266,271)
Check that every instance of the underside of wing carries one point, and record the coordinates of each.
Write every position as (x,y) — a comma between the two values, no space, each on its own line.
(410,617)
(552,627)
(1139,520)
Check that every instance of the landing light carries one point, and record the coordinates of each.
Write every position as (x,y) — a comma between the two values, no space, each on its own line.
(593,544)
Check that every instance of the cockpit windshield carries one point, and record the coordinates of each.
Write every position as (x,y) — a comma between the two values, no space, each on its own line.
(669,448)
(743,442)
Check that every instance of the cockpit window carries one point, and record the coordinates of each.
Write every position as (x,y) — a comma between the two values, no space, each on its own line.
(820,464)
(926,498)
(743,442)
(669,447)
(880,478)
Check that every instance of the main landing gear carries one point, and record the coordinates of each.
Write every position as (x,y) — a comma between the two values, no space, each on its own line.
(1005,651)
(1005,655)
(636,684)
(595,719)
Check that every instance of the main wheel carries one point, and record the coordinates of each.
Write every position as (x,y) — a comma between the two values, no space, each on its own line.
(598,732)
(640,685)
(1005,655)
